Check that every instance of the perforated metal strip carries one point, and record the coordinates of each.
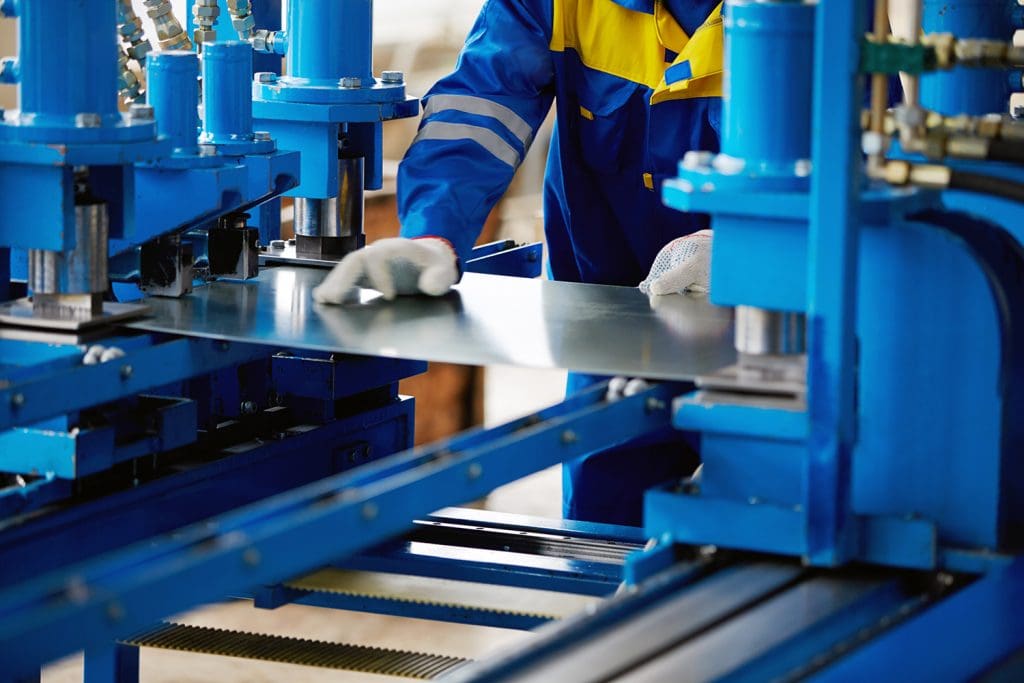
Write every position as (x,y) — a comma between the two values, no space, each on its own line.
(375,660)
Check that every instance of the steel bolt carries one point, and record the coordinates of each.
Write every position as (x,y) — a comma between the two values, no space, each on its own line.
(369,511)
(126,371)
(265,77)
(654,405)
(88,120)
(392,77)
(569,437)
(261,136)
(249,408)
(17,400)
(474,471)
(115,612)
(141,112)
(351,82)
(251,557)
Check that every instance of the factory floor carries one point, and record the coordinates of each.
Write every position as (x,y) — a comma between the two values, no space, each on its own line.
(509,393)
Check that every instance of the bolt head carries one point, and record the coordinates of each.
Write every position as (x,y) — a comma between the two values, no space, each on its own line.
(351,82)
(261,136)
(265,77)
(18,400)
(392,77)
(141,112)
(126,371)
(88,120)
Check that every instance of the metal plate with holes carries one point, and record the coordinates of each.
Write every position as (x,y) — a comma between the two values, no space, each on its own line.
(486,320)
(19,313)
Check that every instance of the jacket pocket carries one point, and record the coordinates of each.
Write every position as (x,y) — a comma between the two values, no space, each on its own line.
(605,120)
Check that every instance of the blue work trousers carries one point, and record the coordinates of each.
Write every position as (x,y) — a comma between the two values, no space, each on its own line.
(608,486)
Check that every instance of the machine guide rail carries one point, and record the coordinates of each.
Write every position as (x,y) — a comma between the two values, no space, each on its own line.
(98,601)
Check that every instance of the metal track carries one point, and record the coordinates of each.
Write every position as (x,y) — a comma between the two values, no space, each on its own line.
(443,594)
(270,648)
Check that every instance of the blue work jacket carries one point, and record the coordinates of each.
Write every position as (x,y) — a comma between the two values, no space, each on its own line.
(633,93)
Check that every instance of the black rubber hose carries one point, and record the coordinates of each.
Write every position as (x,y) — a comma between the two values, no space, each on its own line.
(986,184)
(1006,150)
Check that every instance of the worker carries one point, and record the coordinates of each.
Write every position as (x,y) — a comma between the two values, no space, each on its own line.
(636,84)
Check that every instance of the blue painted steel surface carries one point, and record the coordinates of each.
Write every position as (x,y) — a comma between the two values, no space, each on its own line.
(78,452)
(957,640)
(227,102)
(962,90)
(778,37)
(518,261)
(172,89)
(833,248)
(44,395)
(235,464)
(290,533)
(316,55)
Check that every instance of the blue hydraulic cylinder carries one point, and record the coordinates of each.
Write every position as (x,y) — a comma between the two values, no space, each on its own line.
(330,39)
(68,62)
(769,50)
(227,101)
(173,91)
(961,90)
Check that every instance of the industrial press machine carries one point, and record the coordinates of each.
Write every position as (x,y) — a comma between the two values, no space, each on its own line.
(180,423)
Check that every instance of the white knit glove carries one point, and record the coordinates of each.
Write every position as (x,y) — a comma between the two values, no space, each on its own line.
(682,265)
(97,354)
(624,387)
(393,266)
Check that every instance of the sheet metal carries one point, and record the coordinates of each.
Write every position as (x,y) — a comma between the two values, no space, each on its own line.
(486,320)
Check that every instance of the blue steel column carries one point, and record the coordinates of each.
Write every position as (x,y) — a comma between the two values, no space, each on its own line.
(765,125)
(173,91)
(227,73)
(832,278)
(961,90)
(330,39)
(67,65)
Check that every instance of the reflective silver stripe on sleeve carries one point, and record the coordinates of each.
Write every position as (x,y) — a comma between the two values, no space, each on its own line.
(480,106)
(485,137)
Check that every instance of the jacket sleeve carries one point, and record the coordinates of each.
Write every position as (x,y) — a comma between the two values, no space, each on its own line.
(478,124)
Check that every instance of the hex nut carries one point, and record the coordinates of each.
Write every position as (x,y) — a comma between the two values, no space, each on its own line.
(88,120)
(141,112)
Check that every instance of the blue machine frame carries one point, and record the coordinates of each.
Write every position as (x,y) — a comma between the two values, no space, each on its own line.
(195,469)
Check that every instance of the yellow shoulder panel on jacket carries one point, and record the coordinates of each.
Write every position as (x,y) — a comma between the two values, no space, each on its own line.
(701,60)
(610,38)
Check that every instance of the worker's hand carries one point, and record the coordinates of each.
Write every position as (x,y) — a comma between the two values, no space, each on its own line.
(392,266)
(682,265)
(97,354)
(624,387)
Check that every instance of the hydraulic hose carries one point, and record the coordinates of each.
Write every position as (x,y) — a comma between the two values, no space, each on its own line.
(986,184)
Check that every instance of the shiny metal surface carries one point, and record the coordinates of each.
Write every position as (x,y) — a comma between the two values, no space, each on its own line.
(760,332)
(83,270)
(340,216)
(317,217)
(22,314)
(487,320)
